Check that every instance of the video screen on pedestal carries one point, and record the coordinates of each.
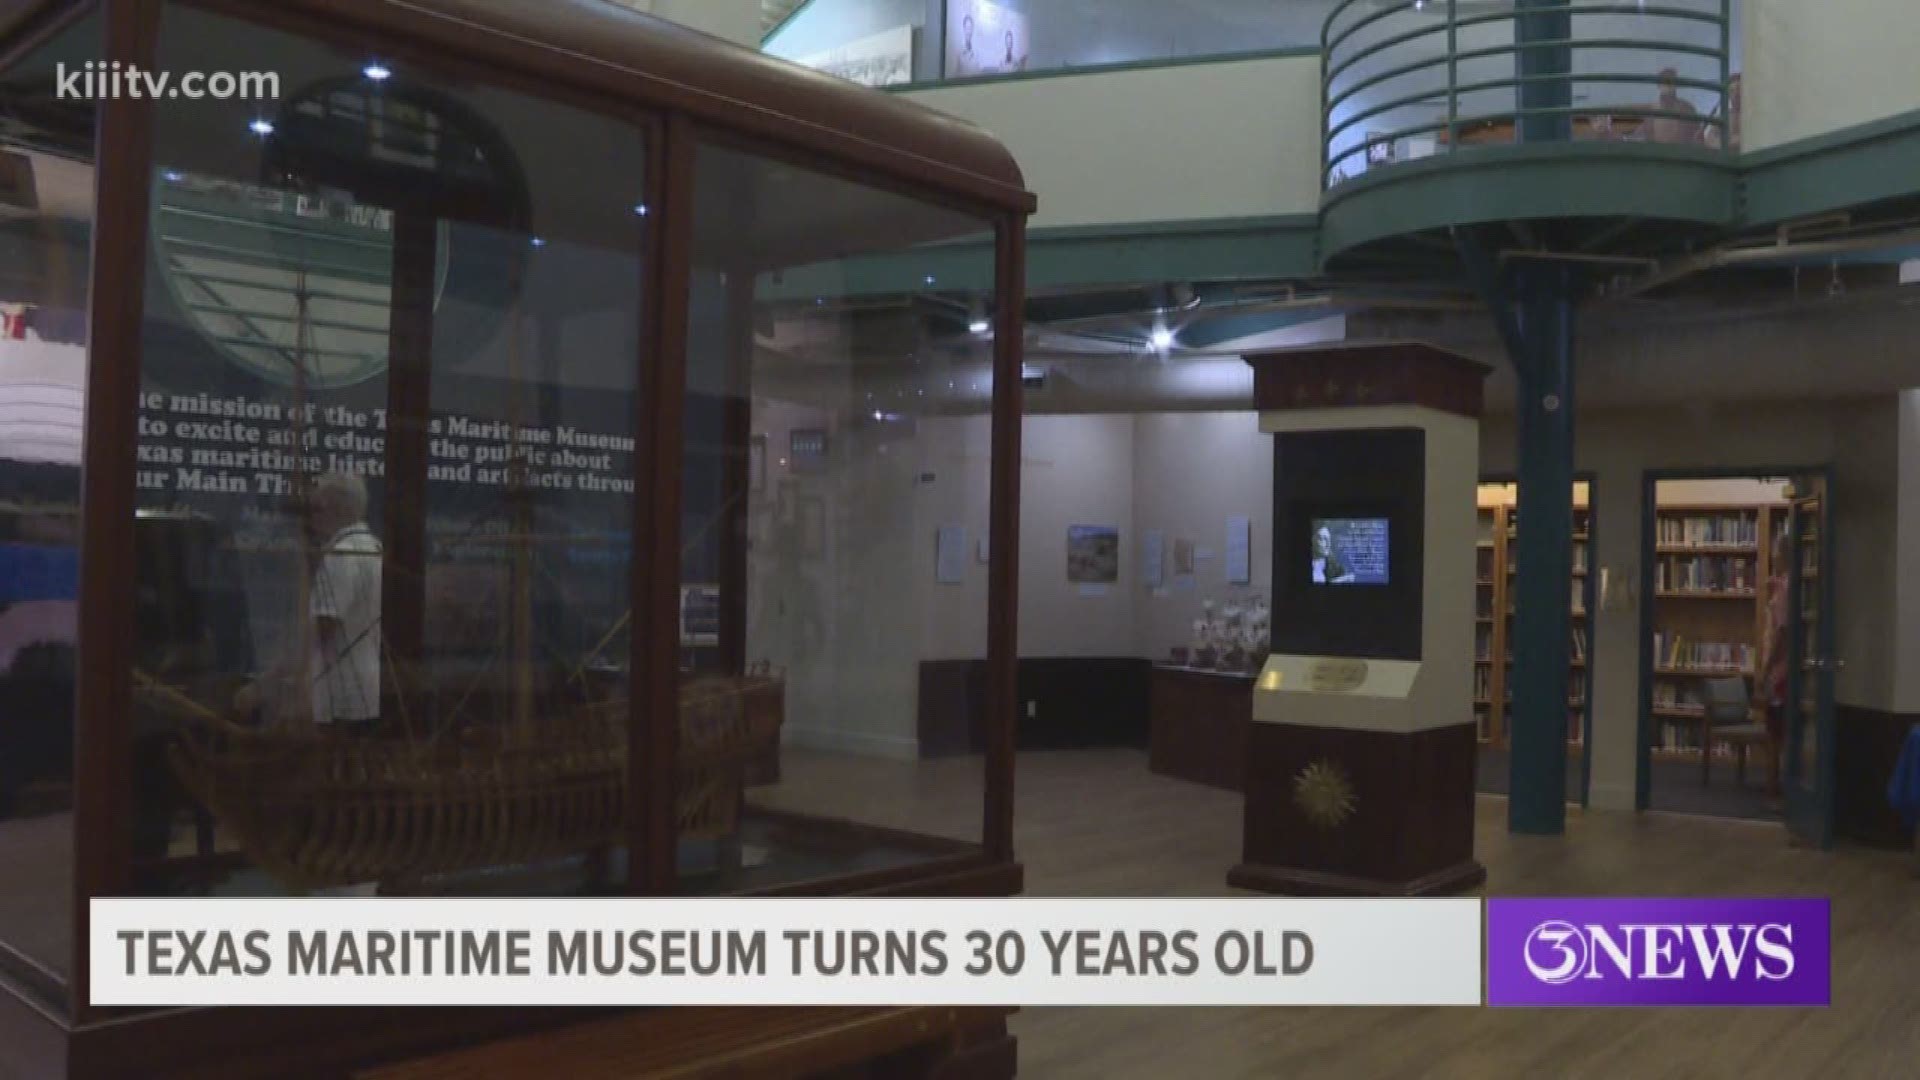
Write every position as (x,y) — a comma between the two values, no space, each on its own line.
(1350,551)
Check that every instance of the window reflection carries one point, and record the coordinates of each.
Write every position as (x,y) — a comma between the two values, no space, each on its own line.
(388,380)
(837,426)
(46,225)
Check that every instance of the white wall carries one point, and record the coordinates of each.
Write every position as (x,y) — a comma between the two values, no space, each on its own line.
(1814,67)
(1192,471)
(1075,470)
(1906,688)
(736,20)
(1866,512)
(1129,146)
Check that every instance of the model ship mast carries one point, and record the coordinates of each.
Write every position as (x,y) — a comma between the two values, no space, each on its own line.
(296,708)
(520,500)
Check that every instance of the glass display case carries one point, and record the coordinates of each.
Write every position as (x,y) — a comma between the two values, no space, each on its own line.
(402,488)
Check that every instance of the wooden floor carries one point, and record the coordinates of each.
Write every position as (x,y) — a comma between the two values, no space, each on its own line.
(1098,824)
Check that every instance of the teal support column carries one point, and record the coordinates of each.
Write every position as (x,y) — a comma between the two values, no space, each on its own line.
(1541,29)
(1543,303)
(1532,305)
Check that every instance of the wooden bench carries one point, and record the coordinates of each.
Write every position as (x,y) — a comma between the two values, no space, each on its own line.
(738,1043)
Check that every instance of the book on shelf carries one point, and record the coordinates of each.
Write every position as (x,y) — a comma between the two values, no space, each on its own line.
(1709,530)
(1706,573)
(1579,643)
(1676,697)
(1674,652)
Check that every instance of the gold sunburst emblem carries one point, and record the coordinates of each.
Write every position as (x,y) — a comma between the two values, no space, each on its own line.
(1324,794)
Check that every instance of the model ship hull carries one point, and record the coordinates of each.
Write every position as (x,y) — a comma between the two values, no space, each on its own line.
(321,809)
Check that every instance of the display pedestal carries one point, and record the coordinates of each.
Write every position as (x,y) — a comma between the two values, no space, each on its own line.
(1406,836)
(1361,754)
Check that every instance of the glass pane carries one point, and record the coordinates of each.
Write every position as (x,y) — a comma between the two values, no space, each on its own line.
(837,444)
(46,185)
(389,373)
(881,42)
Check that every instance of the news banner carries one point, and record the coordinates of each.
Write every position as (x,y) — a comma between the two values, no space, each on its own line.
(1020,951)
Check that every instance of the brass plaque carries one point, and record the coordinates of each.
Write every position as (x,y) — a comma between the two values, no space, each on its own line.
(1337,676)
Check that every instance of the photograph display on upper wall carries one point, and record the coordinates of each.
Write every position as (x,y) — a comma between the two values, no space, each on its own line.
(882,59)
(985,38)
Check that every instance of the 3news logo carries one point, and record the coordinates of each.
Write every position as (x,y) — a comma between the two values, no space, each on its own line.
(1658,952)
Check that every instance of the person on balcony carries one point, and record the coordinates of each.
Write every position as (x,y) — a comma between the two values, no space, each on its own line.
(1681,123)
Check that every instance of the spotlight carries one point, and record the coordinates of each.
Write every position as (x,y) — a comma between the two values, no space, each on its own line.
(929,279)
(979,326)
(1162,338)
(538,241)
(262,128)
(640,209)
(377,72)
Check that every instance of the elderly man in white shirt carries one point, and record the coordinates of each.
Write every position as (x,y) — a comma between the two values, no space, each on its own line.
(343,664)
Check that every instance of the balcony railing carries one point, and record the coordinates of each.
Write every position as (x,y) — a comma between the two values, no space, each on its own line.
(1406,79)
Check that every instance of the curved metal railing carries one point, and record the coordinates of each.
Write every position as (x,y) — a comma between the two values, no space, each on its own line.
(1404,79)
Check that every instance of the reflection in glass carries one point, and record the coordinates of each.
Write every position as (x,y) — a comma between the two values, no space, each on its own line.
(847,330)
(46,224)
(385,492)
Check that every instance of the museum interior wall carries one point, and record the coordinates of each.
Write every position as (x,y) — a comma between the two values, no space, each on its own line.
(1120,146)
(1810,69)
(1183,475)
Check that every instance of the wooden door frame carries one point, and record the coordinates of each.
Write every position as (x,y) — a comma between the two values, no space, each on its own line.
(1649,505)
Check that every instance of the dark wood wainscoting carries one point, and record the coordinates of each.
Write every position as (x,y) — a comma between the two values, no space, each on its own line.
(1199,725)
(1067,703)
(1867,743)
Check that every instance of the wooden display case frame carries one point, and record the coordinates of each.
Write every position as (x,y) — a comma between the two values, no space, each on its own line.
(679,89)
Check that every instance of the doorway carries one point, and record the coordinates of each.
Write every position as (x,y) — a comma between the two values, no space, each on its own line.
(1717,625)
(1497,503)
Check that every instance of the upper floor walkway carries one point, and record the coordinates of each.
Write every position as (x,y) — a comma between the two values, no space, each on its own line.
(1271,137)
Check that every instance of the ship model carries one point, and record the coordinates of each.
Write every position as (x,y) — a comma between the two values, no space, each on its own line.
(494,778)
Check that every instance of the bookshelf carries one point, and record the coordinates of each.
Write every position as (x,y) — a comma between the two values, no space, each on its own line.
(1711,563)
(1494,567)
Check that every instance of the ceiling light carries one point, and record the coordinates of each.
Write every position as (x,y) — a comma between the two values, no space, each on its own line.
(979,326)
(1162,338)
(377,71)
(261,127)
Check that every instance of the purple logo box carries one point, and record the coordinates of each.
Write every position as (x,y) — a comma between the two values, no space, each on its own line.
(1659,952)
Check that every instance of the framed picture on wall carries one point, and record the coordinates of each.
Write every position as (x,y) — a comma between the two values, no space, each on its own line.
(1093,554)
(984,38)
(810,514)
(807,450)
